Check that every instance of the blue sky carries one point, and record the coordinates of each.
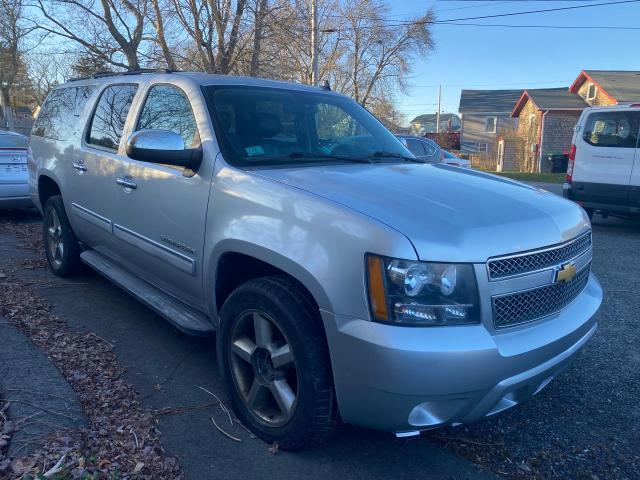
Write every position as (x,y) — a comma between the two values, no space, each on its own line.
(494,57)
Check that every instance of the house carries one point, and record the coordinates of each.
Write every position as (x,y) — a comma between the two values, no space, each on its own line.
(484,113)
(427,123)
(607,87)
(546,119)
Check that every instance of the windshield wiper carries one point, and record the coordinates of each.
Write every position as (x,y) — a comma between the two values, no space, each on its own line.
(381,154)
(328,156)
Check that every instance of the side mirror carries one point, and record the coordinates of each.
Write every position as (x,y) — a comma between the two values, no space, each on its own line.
(162,146)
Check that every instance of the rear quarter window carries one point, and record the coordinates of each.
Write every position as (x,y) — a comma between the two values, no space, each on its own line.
(612,129)
(60,113)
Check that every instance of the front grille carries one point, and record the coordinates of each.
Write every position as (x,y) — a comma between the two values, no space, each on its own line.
(538,260)
(522,307)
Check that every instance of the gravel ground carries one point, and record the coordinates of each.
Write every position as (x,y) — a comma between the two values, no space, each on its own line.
(585,424)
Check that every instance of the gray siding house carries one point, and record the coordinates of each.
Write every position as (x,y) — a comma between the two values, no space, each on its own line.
(484,113)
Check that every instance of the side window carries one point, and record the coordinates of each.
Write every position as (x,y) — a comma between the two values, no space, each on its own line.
(491,124)
(167,108)
(110,116)
(612,129)
(59,114)
(415,147)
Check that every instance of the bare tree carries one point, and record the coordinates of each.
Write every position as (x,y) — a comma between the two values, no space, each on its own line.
(378,55)
(161,39)
(215,27)
(110,30)
(12,34)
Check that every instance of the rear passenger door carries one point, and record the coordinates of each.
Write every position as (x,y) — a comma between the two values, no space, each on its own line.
(605,157)
(160,222)
(97,165)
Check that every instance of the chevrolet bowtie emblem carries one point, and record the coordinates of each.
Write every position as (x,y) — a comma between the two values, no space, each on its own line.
(566,273)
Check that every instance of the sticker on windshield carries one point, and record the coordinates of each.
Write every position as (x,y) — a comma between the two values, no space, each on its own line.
(254,151)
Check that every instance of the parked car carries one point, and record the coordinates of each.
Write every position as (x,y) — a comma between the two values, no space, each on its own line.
(603,174)
(451,159)
(344,278)
(14,188)
(424,149)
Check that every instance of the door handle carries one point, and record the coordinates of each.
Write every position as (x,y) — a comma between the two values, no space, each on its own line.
(80,166)
(127,182)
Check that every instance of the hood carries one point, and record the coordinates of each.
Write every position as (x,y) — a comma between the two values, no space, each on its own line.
(448,213)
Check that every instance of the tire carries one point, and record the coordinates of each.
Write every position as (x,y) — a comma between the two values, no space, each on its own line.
(60,243)
(590,212)
(254,379)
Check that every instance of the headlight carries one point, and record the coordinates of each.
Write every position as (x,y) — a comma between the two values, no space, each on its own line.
(408,292)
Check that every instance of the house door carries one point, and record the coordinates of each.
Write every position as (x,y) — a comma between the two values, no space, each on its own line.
(500,164)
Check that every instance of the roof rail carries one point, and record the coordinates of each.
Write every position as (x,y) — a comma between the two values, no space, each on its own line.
(128,72)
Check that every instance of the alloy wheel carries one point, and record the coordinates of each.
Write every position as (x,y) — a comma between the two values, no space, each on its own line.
(55,243)
(264,368)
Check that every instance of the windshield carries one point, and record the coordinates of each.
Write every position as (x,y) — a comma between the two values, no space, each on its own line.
(271,126)
(449,155)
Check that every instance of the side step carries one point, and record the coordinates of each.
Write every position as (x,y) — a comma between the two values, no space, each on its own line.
(181,316)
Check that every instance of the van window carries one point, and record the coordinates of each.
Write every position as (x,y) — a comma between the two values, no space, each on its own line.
(110,116)
(58,116)
(167,108)
(612,129)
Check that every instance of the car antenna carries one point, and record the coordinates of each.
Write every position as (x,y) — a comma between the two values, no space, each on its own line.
(325,85)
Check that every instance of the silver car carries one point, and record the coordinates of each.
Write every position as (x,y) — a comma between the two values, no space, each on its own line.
(346,279)
(14,186)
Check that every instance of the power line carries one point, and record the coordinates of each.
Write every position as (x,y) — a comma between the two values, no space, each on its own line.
(548,27)
(499,15)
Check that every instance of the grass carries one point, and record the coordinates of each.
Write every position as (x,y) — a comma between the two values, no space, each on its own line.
(533,177)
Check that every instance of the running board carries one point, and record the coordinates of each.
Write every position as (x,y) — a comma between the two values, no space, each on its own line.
(181,316)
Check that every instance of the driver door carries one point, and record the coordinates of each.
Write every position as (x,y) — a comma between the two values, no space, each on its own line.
(161,214)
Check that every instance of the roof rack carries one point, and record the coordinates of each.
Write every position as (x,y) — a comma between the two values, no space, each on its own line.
(128,72)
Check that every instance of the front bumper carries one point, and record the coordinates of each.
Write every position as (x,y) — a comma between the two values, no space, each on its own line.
(404,379)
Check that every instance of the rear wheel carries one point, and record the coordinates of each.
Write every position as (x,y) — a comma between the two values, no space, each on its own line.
(275,365)
(60,243)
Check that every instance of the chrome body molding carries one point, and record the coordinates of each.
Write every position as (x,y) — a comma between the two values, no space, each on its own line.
(176,259)
(92,217)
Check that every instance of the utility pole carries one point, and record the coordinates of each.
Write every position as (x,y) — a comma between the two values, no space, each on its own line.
(438,112)
(314,43)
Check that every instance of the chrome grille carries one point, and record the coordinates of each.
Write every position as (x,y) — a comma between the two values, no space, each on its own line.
(538,260)
(522,307)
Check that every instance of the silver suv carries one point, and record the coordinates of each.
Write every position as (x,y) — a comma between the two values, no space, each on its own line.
(345,279)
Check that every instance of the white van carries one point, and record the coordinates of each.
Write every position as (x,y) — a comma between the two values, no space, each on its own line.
(604,164)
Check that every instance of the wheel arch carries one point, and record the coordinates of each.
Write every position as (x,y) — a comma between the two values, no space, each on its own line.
(47,187)
(236,262)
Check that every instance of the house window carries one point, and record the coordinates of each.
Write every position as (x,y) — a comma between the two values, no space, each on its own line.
(592,90)
(490,124)
(483,147)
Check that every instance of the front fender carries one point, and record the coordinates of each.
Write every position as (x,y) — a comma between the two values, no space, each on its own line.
(319,242)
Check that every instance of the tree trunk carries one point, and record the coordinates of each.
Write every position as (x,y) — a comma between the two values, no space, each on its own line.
(162,41)
(7,112)
(257,37)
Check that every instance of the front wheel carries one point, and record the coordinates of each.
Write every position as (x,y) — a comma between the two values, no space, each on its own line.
(275,365)
(60,243)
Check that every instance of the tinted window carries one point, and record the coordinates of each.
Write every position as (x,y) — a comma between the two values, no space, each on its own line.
(612,129)
(110,115)
(58,116)
(415,146)
(168,108)
(258,126)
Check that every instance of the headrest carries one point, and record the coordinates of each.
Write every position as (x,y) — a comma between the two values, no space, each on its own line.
(267,125)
